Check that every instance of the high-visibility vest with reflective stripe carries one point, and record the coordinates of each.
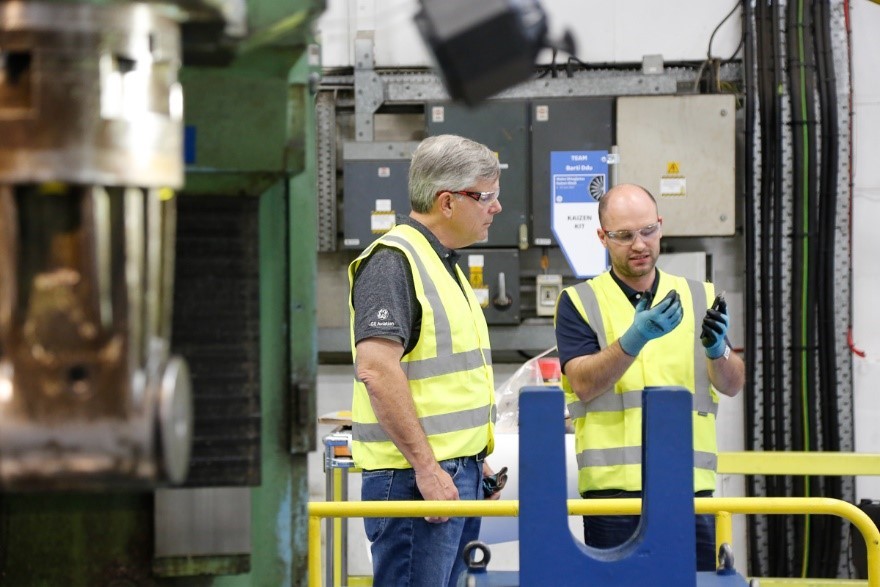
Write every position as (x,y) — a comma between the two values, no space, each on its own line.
(449,370)
(608,429)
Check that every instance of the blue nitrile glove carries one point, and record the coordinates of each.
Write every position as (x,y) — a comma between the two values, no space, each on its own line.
(651,323)
(714,334)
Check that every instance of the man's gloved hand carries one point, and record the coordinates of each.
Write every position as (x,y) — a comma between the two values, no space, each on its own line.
(714,333)
(652,323)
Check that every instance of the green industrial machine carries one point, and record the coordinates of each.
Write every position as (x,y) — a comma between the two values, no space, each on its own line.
(157,303)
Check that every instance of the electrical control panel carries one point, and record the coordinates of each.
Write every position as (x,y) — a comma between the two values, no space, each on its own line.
(563,125)
(503,127)
(683,150)
(547,290)
(494,276)
(375,184)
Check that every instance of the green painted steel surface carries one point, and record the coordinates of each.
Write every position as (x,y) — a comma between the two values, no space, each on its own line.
(75,540)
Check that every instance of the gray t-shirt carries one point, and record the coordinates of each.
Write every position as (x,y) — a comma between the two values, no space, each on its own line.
(384,295)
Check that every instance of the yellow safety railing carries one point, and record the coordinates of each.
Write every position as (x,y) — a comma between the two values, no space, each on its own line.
(722,507)
(799,464)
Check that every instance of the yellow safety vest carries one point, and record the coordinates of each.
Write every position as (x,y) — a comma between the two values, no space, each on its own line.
(608,429)
(449,370)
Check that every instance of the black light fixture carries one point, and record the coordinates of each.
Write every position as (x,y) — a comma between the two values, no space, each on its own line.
(483,47)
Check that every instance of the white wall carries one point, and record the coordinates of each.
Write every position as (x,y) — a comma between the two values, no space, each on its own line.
(605,31)
(866,236)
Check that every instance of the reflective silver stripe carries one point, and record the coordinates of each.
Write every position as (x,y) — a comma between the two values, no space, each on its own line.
(432,425)
(435,367)
(442,329)
(607,402)
(632,455)
(609,457)
(493,413)
(594,314)
(446,362)
(594,317)
(615,402)
(703,397)
(703,403)
(705,460)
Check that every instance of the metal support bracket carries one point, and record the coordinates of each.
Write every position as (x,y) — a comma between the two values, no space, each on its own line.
(368,88)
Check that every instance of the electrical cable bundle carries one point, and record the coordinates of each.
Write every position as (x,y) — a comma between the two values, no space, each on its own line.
(794,226)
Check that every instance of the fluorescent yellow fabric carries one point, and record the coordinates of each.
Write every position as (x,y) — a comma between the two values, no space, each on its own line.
(449,369)
(608,429)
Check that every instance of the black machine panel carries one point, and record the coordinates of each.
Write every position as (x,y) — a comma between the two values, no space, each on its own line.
(216,327)
(503,127)
(563,124)
(374,190)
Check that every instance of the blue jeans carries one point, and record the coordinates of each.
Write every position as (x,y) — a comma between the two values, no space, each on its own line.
(410,551)
(610,531)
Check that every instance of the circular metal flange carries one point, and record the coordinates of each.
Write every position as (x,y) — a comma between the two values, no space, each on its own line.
(175,416)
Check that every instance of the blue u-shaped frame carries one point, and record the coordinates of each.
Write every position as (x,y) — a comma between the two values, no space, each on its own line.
(662,553)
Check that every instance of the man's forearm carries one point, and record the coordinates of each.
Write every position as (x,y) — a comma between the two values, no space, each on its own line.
(728,375)
(591,375)
(378,367)
(393,405)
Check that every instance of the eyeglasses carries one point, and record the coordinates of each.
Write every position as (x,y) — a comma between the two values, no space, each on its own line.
(481,197)
(626,237)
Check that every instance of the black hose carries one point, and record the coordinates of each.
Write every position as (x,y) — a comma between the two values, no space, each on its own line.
(755,92)
(824,550)
(832,485)
(818,525)
(780,567)
(798,258)
(751,227)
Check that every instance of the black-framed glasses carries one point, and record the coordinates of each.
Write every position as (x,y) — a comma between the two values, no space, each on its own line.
(626,237)
(481,197)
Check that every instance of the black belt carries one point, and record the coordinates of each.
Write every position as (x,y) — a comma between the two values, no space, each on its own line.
(480,456)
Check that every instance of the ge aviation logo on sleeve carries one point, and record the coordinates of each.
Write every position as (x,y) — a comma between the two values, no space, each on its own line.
(383,320)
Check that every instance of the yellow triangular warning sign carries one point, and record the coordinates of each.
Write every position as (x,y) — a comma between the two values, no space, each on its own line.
(672,168)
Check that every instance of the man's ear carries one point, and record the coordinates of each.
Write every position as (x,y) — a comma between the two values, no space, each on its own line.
(444,202)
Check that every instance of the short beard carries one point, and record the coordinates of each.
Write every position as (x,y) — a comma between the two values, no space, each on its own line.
(625,271)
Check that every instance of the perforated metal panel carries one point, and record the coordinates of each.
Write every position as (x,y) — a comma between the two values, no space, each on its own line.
(325,118)
(217,328)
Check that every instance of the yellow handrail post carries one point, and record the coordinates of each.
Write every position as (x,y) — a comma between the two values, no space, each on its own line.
(314,549)
(723,529)
(337,530)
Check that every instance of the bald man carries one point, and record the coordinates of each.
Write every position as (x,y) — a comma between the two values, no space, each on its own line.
(627,329)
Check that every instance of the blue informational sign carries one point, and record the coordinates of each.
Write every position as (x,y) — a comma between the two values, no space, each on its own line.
(577,180)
